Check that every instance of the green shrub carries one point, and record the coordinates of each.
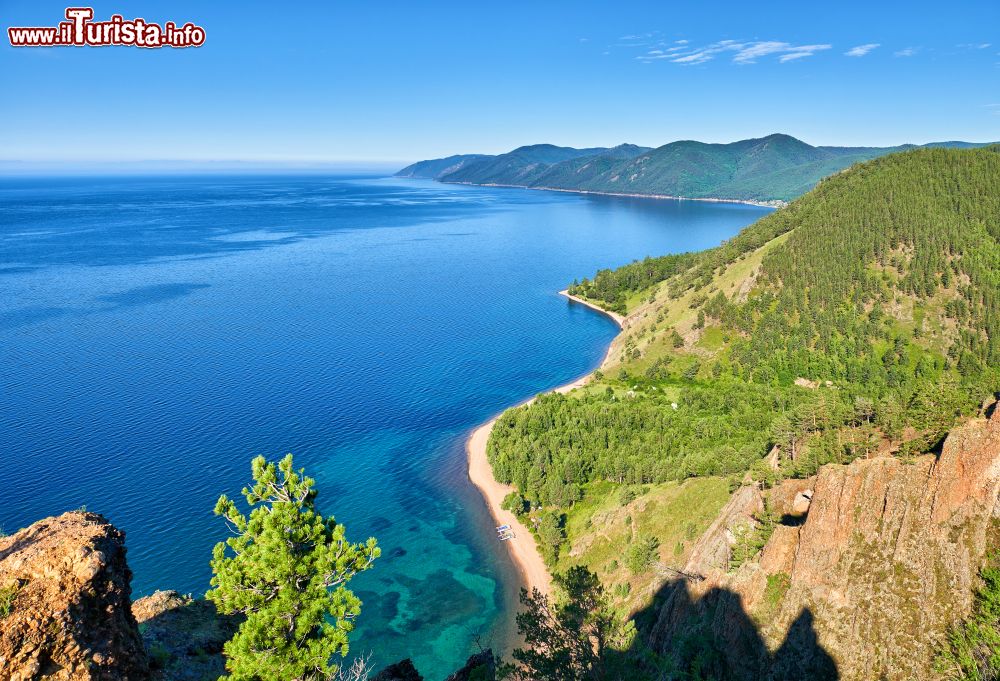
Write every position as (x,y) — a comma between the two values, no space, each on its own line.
(641,554)
(972,650)
(7,596)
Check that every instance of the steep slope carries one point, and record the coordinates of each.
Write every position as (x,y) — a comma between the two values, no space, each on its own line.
(861,581)
(184,636)
(773,168)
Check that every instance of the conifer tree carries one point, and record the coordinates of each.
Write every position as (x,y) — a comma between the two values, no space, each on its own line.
(571,638)
(285,570)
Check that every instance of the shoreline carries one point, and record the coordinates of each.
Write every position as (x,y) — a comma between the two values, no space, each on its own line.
(523,549)
(773,203)
(617,318)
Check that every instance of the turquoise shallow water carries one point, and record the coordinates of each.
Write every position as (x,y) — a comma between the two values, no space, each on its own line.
(156,333)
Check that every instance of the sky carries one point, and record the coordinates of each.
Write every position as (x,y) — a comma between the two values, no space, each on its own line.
(339,82)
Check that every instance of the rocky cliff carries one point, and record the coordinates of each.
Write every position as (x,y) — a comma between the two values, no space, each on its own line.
(66,614)
(868,566)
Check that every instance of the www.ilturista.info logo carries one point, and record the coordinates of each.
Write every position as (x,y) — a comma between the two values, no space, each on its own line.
(80,30)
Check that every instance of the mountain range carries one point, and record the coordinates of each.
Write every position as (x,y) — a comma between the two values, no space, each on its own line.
(775,168)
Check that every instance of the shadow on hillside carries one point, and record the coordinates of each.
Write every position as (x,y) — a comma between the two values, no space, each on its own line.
(713,637)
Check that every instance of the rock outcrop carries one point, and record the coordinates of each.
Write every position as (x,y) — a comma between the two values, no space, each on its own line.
(479,667)
(866,583)
(711,553)
(69,617)
(400,671)
(184,636)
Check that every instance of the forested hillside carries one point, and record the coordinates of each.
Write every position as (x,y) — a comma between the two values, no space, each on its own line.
(776,167)
(431,170)
(773,168)
(863,317)
(518,167)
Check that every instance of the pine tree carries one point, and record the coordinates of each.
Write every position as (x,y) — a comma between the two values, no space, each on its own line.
(572,638)
(285,570)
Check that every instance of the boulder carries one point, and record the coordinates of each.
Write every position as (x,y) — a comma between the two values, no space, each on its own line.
(800,505)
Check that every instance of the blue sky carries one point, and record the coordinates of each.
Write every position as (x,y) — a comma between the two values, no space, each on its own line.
(400,81)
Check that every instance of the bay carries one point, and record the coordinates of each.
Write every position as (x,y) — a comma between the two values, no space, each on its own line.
(156,333)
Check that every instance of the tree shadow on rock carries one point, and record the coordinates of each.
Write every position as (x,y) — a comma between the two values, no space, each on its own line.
(713,637)
(183,636)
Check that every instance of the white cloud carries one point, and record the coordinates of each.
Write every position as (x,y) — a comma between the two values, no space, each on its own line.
(794,55)
(861,50)
(788,52)
(743,52)
(748,54)
(974,46)
(906,52)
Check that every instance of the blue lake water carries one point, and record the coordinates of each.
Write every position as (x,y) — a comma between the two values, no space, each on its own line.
(157,333)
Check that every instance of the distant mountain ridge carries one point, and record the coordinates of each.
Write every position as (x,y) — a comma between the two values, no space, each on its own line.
(439,167)
(768,169)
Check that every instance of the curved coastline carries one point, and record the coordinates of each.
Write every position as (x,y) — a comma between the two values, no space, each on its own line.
(772,203)
(522,549)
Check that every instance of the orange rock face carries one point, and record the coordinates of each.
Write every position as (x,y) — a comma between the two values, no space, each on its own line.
(70,615)
(884,560)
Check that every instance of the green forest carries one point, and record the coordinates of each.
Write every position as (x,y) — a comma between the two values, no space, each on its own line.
(773,168)
(867,316)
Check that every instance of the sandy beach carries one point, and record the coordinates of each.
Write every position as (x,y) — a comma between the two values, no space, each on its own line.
(522,548)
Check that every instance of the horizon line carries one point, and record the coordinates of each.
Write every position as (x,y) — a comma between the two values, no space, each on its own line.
(77,165)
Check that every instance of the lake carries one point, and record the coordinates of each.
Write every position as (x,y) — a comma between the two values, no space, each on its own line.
(156,333)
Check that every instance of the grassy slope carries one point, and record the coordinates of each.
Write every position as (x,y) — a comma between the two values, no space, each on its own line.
(600,529)
(645,307)
(658,307)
